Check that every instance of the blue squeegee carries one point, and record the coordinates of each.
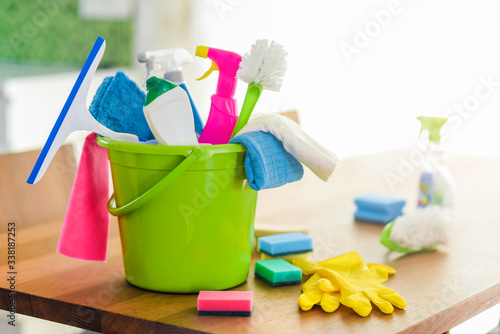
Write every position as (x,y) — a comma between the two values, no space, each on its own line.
(75,115)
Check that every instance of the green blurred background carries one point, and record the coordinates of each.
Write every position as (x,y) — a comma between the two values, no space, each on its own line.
(53,33)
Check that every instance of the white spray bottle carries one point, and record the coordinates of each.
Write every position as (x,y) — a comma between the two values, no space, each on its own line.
(168,112)
(167,64)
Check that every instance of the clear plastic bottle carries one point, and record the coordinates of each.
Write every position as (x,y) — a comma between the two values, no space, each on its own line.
(436,182)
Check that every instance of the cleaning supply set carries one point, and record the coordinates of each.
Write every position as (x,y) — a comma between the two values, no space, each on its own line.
(186,210)
(185,204)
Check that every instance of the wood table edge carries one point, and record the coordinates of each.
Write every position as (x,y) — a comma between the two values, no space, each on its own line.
(85,317)
(445,320)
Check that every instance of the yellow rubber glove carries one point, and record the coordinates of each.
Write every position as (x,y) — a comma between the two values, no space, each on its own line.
(348,280)
(320,291)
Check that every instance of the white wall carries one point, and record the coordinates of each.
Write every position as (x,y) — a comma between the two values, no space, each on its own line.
(425,58)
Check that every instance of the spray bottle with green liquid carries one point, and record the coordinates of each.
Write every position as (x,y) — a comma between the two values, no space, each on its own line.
(435,185)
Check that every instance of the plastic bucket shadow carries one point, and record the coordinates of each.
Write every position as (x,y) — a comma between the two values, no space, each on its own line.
(185,214)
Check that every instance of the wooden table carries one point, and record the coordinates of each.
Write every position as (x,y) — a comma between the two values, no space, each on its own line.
(442,288)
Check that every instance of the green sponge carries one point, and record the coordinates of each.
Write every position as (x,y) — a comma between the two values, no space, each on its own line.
(278,272)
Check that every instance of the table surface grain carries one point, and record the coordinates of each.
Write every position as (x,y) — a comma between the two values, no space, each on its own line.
(442,288)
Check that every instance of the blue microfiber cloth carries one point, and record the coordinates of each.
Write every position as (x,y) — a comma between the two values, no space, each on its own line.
(267,164)
(118,104)
(378,208)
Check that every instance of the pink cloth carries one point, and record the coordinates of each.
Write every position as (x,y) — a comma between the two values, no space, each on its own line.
(84,233)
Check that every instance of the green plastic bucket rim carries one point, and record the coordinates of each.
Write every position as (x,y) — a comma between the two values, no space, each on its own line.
(192,154)
(208,150)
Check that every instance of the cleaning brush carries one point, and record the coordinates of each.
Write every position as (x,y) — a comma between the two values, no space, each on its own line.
(262,68)
(421,230)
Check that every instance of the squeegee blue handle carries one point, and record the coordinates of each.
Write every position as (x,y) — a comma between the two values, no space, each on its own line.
(57,126)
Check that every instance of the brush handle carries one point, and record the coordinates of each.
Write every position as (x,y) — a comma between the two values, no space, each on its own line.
(253,93)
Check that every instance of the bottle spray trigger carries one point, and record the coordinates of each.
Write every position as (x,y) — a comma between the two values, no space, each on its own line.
(214,67)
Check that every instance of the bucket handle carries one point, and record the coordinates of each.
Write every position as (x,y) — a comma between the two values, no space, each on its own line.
(195,155)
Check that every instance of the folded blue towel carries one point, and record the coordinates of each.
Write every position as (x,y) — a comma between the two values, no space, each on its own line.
(267,164)
(118,104)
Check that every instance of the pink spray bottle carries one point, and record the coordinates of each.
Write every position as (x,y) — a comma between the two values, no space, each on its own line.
(223,114)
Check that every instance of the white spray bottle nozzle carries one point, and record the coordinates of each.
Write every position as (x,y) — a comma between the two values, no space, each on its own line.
(161,62)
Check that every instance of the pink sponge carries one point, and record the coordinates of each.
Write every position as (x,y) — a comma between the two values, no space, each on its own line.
(225,303)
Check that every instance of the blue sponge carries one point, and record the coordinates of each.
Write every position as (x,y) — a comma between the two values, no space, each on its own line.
(118,105)
(287,243)
(378,208)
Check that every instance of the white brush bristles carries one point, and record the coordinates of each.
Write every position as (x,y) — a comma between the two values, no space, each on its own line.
(265,64)
(424,227)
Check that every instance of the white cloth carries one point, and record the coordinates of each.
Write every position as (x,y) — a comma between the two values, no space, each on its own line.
(299,144)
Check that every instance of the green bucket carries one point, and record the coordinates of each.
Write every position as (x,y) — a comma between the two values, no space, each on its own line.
(185,214)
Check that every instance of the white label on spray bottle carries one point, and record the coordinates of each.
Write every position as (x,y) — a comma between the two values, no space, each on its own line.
(171,119)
